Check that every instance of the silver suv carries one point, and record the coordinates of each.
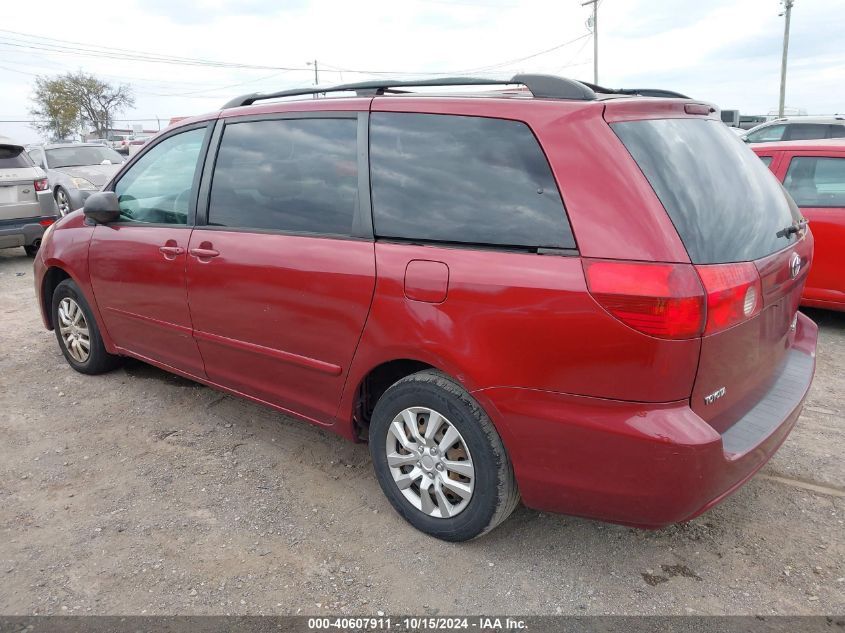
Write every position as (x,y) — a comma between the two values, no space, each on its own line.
(27,206)
(798,128)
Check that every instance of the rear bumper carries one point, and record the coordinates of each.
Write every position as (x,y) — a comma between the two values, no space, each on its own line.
(22,232)
(646,465)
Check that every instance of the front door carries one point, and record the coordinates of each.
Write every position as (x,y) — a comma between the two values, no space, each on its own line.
(138,263)
(816,181)
(281,276)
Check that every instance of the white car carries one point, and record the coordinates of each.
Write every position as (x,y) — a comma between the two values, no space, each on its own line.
(27,207)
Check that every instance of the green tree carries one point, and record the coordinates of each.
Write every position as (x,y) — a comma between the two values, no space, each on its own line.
(55,108)
(66,100)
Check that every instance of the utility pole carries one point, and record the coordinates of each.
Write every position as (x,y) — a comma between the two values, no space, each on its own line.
(595,23)
(787,4)
(316,74)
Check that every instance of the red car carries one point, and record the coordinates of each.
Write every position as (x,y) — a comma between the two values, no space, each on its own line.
(584,298)
(813,172)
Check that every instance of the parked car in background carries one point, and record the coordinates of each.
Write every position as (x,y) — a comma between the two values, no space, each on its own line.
(27,207)
(120,142)
(587,299)
(797,129)
(813,172)
(137,143)
(75,170)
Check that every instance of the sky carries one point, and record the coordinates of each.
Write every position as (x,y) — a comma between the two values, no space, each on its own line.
(726,52)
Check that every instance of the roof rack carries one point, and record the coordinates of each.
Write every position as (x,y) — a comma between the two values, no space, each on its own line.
(541,86)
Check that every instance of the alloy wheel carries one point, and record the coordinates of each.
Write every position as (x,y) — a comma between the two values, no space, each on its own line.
(74,330)
(63,202)
(430,462)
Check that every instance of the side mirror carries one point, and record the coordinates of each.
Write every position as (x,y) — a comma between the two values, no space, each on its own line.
(102,207)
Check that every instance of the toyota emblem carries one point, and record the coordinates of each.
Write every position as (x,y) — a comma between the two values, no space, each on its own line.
(794,265)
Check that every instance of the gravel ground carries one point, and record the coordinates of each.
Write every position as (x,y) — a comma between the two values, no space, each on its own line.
(138,492)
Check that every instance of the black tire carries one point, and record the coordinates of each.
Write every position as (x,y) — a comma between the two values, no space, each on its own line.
(99,360)
(31,249)
(494,495)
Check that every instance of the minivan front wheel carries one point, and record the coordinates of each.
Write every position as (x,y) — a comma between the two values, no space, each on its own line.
(439,459)
(77,332)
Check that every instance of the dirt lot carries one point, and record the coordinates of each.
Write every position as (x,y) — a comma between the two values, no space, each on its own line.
(139,492)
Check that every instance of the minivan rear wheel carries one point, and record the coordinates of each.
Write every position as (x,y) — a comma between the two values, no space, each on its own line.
(439,459)
(77,332)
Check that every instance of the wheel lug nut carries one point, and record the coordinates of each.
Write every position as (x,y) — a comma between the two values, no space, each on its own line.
(439,466)
(433,451)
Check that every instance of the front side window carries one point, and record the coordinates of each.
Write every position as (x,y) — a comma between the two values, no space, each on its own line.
(814,181)
(770,133)
(157,189)
(463,179)
(291,175)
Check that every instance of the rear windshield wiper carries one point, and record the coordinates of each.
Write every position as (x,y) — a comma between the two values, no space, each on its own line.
(792,228)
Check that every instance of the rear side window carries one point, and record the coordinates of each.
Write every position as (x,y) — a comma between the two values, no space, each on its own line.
(766,160)
(725,203)
(463,179)
(816,182)
(12,156)
(294,175)
(806,131)
(837,131)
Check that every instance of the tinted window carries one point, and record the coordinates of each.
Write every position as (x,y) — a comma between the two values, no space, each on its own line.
(806,131)
(816,182)
(158,187)
(725,203)
(770,133)
(837,131)
(767,160)
(81,155)
(12,156)
(289,175)
(463,179)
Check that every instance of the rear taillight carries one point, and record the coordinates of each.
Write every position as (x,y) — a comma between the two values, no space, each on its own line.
(734,294)
(47,222)
(662,300)
(41,184)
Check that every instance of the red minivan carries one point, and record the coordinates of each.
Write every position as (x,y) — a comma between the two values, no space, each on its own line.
(565,294)
(813,172)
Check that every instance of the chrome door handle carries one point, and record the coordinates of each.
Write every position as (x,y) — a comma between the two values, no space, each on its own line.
(203,253)
(171,251)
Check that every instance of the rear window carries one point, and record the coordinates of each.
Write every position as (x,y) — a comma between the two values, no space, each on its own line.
(724,202)
(12,156)
(463,179)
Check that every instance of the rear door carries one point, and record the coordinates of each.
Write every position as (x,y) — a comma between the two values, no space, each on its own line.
(138,264)
(732,215)
(281,272)
(816,181)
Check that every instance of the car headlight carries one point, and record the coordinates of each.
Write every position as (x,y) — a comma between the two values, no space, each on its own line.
(81,183)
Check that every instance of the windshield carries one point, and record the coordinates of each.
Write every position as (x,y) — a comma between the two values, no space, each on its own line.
(81,155)
(724,202)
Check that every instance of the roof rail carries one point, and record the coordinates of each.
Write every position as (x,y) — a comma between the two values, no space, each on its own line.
(544,86)
(541,86)
(642,92)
